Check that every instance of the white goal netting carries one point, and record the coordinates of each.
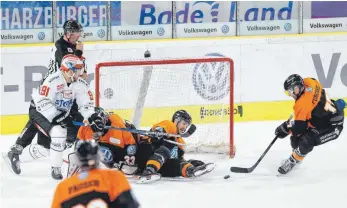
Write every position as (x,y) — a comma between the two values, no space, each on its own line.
(148,91)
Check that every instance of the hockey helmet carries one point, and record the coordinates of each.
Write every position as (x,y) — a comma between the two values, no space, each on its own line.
(72,62)
(71,26)
(102,113)
(87,152)
(182,115)
(291,82)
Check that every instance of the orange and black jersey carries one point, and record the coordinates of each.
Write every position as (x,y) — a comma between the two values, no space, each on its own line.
(113,137)
(94,188)
(312,109)
(170,128)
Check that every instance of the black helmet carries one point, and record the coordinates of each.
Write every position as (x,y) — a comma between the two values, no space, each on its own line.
(72,26)
(87,152)
(102,113)
(292,81)
(182,115)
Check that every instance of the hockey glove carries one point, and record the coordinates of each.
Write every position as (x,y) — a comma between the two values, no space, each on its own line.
(96,123)
(282,130)
(196,163)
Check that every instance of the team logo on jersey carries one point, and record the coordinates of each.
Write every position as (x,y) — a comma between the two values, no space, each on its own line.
(106,153)
(131,150)
(69,50)
(67,94)
(174,153)
(211,80)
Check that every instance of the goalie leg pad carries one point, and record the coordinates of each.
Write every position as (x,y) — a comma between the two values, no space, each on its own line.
(58,135)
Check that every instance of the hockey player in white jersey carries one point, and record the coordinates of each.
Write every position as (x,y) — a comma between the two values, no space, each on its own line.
(50,107)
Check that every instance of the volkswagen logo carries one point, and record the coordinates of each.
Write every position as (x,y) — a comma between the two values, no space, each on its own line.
(212,80)
(101,33)
(225,29)
(41,35)
(160,31)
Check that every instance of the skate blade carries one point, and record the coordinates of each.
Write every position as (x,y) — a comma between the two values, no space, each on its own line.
(209,168)
(150,179)
(8,162)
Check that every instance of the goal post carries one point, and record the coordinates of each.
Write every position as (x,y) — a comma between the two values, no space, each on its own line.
(148,91)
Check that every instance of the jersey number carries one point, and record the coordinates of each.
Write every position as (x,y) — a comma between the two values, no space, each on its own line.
(44,90)
(129,160)
(99,203)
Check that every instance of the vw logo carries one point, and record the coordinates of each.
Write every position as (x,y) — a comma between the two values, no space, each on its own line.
(287,27)
(212,80)
(41,35)
(101,33)
(225,29)
(160,31)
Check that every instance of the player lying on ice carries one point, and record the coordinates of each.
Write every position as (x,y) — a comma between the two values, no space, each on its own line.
(317,119)
(161,158)
(143,156)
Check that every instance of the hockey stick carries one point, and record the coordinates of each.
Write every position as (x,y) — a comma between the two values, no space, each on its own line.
(151,133)
(249,170)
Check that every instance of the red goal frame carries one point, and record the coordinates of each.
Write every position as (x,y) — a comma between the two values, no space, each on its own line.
(175,61)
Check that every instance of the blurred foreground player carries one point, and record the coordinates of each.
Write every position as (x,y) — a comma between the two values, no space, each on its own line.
(93,187)
(160,158)
(317,119)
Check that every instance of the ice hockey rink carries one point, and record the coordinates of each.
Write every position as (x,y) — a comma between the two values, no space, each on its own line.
(319,182)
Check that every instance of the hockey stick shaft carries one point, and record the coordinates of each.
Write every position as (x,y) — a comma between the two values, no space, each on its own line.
(141,132)
(249,170)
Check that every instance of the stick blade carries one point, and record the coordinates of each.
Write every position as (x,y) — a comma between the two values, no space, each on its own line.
(240,170)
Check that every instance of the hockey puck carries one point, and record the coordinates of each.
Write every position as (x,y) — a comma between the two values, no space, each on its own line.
(226,176)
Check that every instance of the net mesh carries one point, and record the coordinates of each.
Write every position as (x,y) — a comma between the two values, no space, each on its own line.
(147,93)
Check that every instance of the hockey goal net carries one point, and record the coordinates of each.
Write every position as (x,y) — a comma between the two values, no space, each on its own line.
(148,91)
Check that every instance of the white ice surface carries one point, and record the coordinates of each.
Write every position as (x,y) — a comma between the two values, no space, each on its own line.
(320,182)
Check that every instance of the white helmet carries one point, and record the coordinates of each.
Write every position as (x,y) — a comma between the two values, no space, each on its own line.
(73,63)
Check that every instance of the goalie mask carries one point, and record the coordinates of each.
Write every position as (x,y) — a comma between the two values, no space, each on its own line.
(102,113)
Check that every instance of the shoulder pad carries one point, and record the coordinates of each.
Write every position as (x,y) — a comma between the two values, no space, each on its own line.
(51,79)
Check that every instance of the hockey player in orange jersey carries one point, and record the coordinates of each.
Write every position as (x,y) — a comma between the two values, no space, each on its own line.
(118,148)
(115,145)
(161,158)
(317,119)
(93,187)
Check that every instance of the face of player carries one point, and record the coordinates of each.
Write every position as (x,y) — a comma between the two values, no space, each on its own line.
(182,126)
(73,37)
(294,92)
